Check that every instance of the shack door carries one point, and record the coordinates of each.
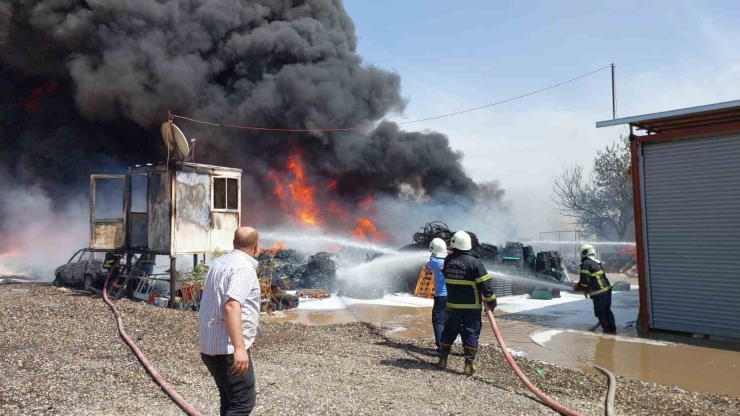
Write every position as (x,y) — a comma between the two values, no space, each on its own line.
(107,212)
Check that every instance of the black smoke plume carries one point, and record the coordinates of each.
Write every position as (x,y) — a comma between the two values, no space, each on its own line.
(86,84)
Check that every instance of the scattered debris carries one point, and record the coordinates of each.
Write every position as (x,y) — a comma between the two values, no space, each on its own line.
(313,293)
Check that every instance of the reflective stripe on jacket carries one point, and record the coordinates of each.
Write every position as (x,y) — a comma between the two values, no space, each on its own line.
(466,279)
(593,278)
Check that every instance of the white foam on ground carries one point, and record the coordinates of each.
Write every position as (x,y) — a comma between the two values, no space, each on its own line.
(516,352)
(516,304)
(342,302)
(397,329)
(541,338)
(572,309)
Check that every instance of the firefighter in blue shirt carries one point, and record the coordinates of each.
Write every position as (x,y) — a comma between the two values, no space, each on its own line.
(467,282)
(593,282)
(439,252)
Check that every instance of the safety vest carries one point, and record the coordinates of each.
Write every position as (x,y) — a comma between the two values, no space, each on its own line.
(466,279)
(593,278)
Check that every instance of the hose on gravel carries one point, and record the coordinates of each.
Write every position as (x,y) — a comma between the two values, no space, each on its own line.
(185,406)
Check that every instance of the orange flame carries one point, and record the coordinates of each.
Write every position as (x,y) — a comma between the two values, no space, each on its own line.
(301,193)
(297,197)
(277,247)
(366,230)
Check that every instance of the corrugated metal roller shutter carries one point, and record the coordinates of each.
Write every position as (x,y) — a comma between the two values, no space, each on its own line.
(692,212)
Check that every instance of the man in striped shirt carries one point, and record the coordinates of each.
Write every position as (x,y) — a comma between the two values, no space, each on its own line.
(227,323)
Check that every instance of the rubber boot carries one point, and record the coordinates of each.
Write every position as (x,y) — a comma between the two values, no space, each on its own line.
(444,352)
(469,368)
(469,354)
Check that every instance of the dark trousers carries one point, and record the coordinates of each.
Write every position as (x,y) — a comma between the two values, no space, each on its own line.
(438,317)
(466,323)
(238,393)
(603,311)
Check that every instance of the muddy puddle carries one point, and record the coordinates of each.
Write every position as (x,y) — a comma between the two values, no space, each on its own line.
(689,367)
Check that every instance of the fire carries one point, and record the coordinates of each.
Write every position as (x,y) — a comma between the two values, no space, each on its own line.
(303,206)
(277,247)
(298,197)
(278,190)
(366,230)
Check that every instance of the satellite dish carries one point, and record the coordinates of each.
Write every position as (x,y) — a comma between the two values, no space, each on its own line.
(177,142)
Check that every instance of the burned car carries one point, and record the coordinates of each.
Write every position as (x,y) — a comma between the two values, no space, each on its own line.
(84,269)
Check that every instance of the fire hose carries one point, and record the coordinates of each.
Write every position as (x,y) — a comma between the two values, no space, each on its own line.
(609,408)
(185,406)
(191,411)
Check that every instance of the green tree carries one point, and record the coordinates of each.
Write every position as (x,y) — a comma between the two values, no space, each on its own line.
(602,205)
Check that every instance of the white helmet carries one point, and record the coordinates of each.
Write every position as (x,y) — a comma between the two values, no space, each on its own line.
(461,241)
(587,250)
(438,247)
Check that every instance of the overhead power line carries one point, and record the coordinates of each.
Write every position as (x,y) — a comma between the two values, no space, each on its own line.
(288,130)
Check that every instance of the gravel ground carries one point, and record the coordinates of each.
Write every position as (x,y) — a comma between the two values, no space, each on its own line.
(62,355)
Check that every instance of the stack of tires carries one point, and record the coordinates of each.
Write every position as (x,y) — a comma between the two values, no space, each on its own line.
(547,260)
(529,260)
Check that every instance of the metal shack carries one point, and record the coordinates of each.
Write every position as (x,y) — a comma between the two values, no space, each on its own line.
(686,188)
(143,217)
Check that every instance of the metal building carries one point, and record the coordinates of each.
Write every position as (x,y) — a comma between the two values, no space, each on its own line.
(139,212)
(686,188)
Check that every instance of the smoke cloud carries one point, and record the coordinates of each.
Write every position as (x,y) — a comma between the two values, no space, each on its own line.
(86,85)
(38,238)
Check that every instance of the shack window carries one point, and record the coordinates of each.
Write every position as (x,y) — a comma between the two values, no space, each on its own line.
(225,193)
(232,192)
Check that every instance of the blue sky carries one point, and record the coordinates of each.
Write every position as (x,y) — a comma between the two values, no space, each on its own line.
(457,55)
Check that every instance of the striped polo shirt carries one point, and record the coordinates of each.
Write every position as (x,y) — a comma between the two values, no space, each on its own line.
(232,275)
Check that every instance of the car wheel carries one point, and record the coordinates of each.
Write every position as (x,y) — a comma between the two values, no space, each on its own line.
(88,283)
(57,280)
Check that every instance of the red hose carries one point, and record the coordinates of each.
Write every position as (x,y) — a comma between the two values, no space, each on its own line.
(540,395)
(185,406)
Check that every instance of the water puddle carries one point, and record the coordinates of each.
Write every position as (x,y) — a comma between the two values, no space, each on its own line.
(689,367)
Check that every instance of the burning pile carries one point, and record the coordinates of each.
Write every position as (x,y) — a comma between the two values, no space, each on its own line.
(297,197)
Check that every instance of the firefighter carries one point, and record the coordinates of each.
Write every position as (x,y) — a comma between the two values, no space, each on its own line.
(467,280)
(438,248)
(593,282)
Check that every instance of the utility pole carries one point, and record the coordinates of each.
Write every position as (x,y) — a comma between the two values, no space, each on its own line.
(173,199)
(614,96)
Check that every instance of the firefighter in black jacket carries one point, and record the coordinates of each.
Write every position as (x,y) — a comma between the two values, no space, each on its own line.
(594,282)
(467,281)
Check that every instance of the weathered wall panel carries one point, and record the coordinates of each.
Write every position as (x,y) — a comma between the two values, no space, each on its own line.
(139,230)
(158,200)
(193,217)
(107,235)
(222,233)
